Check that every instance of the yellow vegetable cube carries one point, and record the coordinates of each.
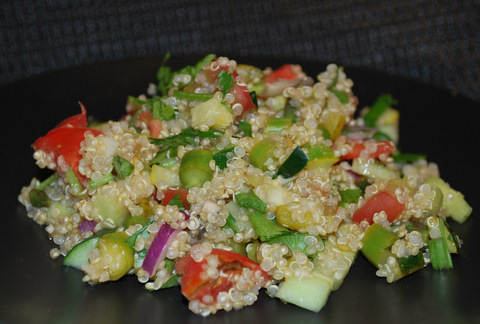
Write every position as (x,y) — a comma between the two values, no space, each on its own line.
(121,255)
(163,176)
(211,113)
(287,217)
(333,122)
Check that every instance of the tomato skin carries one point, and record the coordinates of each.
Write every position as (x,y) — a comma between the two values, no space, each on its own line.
(285,72)
(65,139)
(195,282)
(383,147)
(169,194)
(242,96)
(381,201)
(240,92)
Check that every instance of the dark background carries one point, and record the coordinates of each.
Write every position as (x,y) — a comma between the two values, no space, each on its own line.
(54,53)
(429,40)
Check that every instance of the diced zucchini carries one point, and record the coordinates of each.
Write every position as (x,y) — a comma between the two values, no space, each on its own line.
(111,210)
(160,175)
(454,201)
(321,156)
(374,170)
(295,163)
(59,209)
(401,267)
(310,293)
(437,201)
(323,257)
(375,240)
(411,264)
(78,255)
(133,220)
(422,229)
(277,124)
(261,155)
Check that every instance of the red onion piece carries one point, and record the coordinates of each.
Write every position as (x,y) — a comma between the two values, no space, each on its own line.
(87,225)
(157,251)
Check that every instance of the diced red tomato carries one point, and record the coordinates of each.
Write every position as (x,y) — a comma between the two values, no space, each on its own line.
(240,92)
(180,194)
(196,283)
(154,125)
(242,96)
(286,72)
(382,201)
(64,140)
(383,147)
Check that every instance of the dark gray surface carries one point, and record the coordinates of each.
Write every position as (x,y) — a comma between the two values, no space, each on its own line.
(36,289)
(436,41)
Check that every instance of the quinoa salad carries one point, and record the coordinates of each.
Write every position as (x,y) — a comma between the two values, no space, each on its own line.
(227,180)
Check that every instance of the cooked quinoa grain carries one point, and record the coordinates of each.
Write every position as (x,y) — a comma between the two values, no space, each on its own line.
(226,179)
